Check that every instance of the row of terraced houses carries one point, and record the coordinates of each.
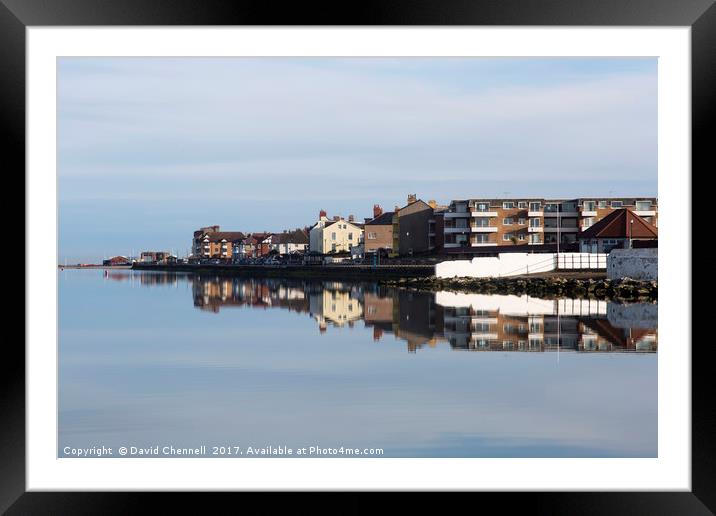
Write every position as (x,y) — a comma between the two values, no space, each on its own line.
(464,227)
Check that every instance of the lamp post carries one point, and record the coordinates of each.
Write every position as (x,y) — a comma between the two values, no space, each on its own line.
(559,223)
(631,233)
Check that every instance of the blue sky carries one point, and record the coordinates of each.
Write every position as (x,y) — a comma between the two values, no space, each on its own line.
(150,149)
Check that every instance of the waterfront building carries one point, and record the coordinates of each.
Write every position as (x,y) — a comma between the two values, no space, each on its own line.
(117,260)
(483,223)
(253,245)
(210,242)
(379,231)
(154,256)
(290,242)
(620,229)
(414,227)
(335,235)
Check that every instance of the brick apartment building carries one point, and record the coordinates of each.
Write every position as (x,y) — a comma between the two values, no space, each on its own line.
(379,231)
(209,242)
(479,222)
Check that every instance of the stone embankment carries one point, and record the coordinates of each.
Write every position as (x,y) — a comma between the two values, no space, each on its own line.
(621,290)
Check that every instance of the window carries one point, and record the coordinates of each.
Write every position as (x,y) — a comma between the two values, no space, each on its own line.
(643,205)
(589,205)
(507,221)
(587,221)
(481,222)
(534,238)
(508,205)
(551,207)
(602,204)
(333,236)
(521,221)
(481,239)
(535,206)
(482,206)
(616,204)
(535,223)
(522,205)
(522,236)
(333,247)
(506,236)
(372,236)
(350,236)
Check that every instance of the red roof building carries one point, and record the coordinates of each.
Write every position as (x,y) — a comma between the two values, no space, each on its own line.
(620,229)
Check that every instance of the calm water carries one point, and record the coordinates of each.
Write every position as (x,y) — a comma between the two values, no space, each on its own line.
(155,360)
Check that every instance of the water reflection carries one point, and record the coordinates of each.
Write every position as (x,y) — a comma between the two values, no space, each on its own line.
(472,322)
(149,359)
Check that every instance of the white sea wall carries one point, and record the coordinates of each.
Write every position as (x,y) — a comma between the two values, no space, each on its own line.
(515,264)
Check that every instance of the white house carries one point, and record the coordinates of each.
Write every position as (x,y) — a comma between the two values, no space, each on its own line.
(336,235)
(290,242)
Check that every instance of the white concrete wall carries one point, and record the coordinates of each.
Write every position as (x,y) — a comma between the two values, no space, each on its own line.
(641,264)
(514,264)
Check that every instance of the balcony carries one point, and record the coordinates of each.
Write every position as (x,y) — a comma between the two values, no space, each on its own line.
(483,244)
(589,213)
(484,335)
(454,244)
(534,229)
(538,213)
(483,229)
(561,214)
(477,213)
(457,230)
(457,215)
(561,230)
(645,213)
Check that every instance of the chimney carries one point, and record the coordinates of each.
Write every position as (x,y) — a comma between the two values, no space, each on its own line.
(432,203)
(377,211)
(322,215)
(412,198)
(397,208)
(351,218)
(336,217)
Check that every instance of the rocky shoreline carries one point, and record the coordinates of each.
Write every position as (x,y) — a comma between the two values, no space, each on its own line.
(622,290)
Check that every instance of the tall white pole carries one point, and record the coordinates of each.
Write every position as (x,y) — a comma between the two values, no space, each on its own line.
(559,223)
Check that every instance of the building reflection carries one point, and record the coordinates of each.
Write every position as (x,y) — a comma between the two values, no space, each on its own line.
(147,279)
(470,322)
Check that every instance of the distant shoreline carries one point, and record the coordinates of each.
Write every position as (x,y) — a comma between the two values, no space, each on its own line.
(93,266)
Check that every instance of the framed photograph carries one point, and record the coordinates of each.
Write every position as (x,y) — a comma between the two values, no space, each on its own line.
(414,249)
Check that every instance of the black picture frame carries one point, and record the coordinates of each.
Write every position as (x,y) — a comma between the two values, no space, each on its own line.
(16,15)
